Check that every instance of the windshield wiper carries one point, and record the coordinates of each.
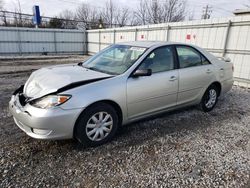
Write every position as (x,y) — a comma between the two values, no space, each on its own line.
(90,68)
(98,70)
(95,69)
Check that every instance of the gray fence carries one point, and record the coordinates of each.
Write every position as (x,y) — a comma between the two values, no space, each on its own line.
(21,41)
(228,37)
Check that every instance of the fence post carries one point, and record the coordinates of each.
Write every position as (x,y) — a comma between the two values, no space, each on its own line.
(226,38)
(135,34)
(167,33)
(85,42)
(99,32)
(147,32)
(55,45)
(114,36)
(19,42)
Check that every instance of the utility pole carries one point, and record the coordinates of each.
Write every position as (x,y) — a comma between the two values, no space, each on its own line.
(207,10)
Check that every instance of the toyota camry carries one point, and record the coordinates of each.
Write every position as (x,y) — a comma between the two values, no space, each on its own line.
(123,83)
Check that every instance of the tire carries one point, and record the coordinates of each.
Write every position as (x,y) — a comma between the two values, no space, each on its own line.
(90,130)
(211,95)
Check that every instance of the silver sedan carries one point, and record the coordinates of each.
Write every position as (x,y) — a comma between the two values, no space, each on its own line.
(123,83)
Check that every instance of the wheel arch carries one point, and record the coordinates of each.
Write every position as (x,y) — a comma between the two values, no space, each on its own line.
(218,85)
(110,102)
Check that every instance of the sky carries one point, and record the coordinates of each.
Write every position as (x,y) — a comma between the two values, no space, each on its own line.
(220,8)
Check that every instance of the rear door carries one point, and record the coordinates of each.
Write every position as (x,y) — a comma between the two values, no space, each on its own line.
(195,73)
(147,94)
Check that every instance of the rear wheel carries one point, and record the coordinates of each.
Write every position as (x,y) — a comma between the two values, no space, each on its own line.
(210,98)
(96,125)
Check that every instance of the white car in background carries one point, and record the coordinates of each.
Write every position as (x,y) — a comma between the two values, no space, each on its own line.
(121,84)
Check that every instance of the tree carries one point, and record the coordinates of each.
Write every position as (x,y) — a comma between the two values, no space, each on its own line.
(123,16)
(174,10)
(134,21)
(55,23)
(2,15)
(4,18)
(109,13)
(112,15)
(155,11)
(148,12)
(89,16)
(68,19)
(18,14)
(141,13)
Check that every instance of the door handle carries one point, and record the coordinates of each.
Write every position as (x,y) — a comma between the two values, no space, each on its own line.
(208,71)
(172,78)
(222,69)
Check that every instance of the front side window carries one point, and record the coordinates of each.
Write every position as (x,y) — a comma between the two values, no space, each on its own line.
(159,60)
(115,59)
(189,57)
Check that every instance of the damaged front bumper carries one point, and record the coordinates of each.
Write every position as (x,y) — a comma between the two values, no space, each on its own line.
(53,123)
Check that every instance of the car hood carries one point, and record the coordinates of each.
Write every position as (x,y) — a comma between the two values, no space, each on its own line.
(51,79)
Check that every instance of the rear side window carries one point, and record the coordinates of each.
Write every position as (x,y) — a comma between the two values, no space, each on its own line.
(189,57)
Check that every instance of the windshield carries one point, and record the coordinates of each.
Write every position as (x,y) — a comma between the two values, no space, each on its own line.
(115,59)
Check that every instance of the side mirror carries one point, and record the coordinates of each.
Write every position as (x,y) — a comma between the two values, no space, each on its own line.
(142,72)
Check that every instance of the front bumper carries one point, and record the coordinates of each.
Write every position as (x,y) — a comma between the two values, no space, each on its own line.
(53,123)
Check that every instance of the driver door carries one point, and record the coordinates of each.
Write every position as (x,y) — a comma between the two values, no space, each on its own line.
(148,94)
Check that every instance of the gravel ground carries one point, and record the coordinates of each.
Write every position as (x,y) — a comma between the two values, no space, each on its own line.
(184,148)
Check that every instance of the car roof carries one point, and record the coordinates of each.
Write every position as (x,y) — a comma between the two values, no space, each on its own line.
(147,44)
(150,44)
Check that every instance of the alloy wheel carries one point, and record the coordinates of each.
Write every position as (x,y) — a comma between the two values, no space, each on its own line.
(99,126)
(211,98)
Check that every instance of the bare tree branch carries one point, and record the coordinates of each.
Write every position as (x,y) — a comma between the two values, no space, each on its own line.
(88,15)
(68,16)
(141,13)
(109,12)
(122,16)
(156,11)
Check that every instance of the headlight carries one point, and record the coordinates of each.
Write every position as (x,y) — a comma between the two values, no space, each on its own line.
(50,101)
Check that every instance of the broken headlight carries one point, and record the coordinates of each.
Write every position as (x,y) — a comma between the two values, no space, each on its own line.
(50,101)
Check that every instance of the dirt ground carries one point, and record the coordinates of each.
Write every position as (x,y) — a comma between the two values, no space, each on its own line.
(184,148)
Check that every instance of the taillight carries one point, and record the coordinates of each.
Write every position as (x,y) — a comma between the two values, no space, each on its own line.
(233,68)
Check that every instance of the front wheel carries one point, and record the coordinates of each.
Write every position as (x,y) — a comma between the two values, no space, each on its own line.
(209,99)
(96,125)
